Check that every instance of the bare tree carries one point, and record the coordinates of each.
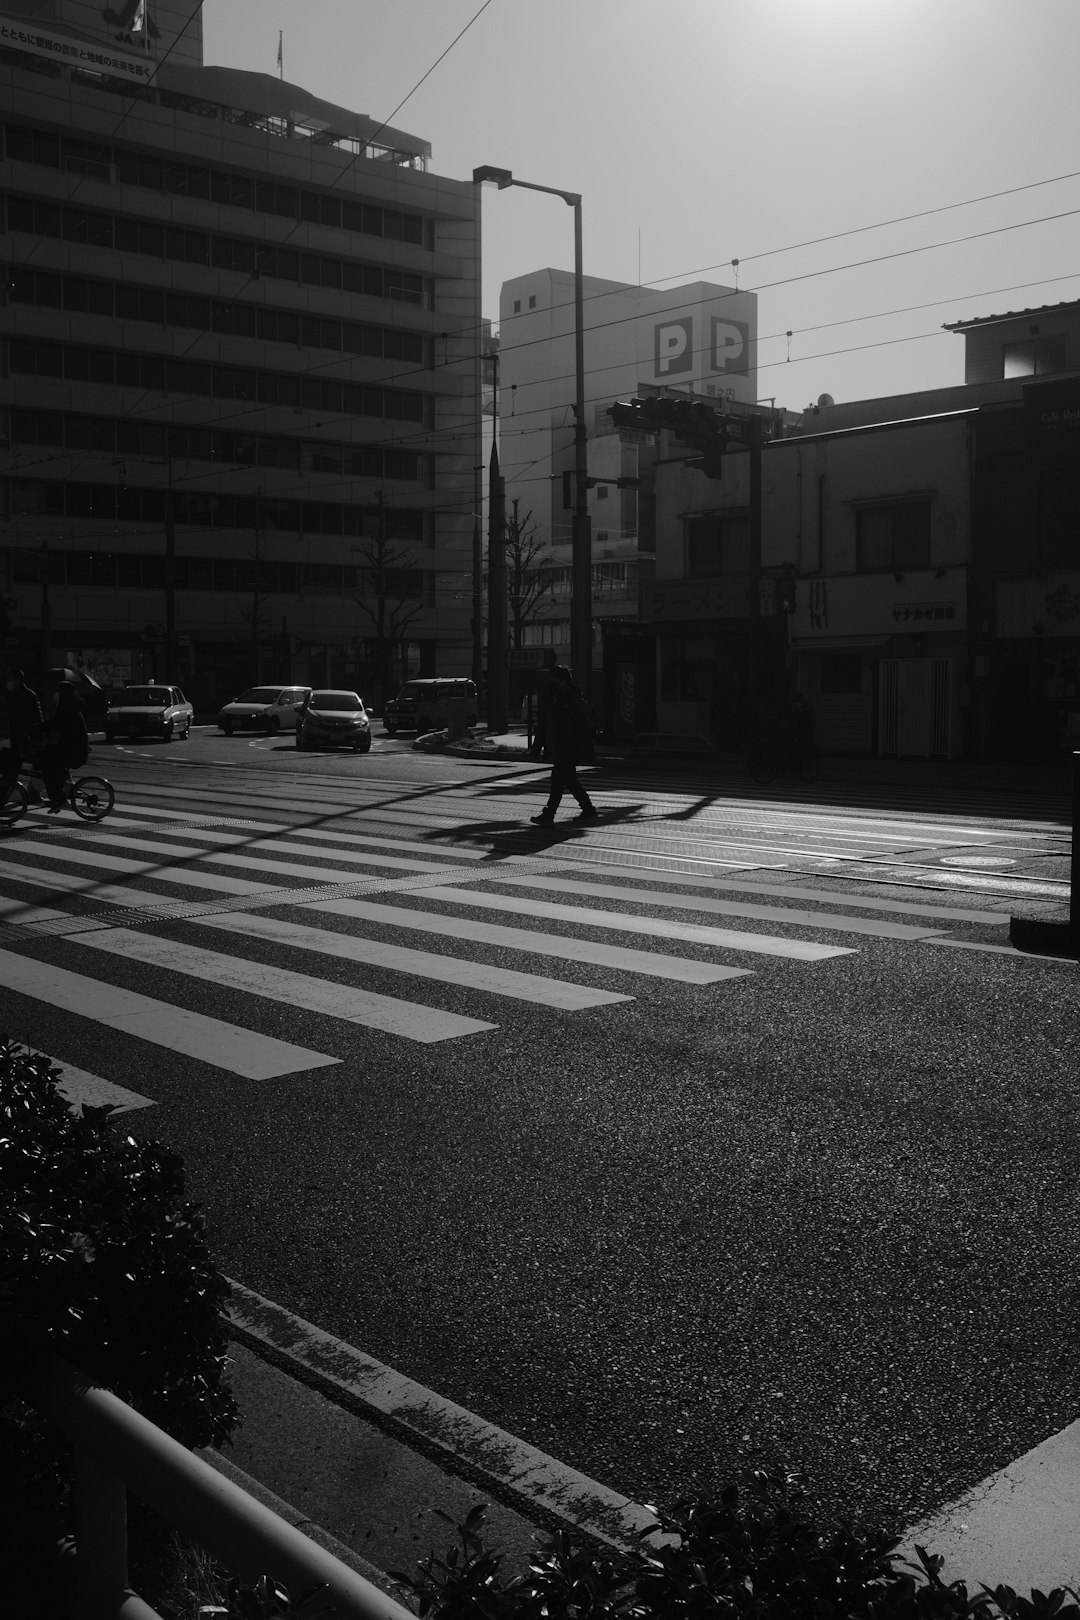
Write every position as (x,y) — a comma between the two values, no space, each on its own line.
(388,595)
(529,576)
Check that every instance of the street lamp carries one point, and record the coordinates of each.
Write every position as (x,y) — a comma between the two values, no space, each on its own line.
(581,553)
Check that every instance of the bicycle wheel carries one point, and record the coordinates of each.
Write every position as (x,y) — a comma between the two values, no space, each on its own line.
(92,797)
(13,802)
(763,764)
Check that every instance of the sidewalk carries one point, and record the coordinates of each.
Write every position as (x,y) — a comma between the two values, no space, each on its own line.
(871,770)
(363,1460)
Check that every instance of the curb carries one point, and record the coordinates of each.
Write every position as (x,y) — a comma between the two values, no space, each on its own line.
(541,1487)
(300,1521)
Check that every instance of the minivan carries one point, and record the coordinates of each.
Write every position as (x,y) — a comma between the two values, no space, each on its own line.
(424,705)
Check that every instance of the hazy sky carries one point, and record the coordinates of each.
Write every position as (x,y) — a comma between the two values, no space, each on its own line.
(699,131)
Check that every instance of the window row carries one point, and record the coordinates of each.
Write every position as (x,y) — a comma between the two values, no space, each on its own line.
(134,168)
(124,503)
(89,227)
(117,570)
(894,537)
(134,436)
(127,368)
(717,545)
(125,302)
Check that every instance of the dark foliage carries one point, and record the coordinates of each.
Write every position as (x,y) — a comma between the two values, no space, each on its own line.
(752,1556)
(104,1260)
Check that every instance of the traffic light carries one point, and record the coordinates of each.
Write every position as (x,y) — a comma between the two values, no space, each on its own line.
(711,460)
(689,419)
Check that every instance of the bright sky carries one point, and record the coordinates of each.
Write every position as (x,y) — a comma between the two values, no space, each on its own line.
(699,131)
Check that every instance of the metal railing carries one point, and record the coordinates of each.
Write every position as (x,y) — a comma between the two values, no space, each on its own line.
(115,1448)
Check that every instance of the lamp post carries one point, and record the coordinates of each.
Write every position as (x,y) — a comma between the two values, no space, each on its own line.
(581,552)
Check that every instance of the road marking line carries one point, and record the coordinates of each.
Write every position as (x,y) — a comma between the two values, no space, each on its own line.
(394,862)
(238,1051)
(345,1001)
(424,964)
(659,927)
(117,863)
(519,1467)
(1000,950)
(79,1087)
(725,908)
(862,902)
(654,964)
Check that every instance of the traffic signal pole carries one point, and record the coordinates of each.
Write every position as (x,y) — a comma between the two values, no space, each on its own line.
(581,553)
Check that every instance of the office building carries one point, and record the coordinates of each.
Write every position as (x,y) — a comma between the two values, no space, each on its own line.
(240,389)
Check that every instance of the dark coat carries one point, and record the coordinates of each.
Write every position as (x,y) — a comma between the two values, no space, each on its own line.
(67,729)
(24,721)
(565,726)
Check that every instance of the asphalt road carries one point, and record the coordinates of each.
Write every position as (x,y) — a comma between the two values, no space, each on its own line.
(820,1214)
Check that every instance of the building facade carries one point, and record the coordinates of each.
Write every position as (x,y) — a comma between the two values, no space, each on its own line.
(700,338)
(934,543)
(239,369)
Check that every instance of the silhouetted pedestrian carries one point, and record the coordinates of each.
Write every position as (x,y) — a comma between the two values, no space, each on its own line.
(66,745)
(564,730)
(24,724)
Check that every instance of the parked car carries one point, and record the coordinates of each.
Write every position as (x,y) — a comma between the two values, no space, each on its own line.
(149,711)
(263,708)
(424,705)
(334,719)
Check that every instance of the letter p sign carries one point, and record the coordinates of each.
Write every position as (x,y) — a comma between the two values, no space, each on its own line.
(675,346)
(730,347)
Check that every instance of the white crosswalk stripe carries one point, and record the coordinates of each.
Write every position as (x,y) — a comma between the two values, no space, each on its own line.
(198,871)
(332,1000)
(240,1051)
(726,938)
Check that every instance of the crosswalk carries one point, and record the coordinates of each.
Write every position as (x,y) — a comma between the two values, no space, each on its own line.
(234,938)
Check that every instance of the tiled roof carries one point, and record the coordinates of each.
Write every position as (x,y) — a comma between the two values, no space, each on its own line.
(1010,315)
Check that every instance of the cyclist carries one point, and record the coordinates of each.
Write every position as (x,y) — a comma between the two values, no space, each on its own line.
(24,725)
(66,745)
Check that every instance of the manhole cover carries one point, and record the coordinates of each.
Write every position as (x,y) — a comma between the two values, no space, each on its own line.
(977,860)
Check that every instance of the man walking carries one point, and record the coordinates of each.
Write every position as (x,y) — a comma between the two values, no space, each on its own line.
(564,730)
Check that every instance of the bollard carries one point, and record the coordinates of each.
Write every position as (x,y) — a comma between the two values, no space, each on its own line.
(1043,936)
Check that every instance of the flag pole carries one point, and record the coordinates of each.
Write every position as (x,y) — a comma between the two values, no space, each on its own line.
(280,61)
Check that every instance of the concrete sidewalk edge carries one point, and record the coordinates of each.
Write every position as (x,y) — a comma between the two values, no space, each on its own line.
(520,1471)
(300,1521)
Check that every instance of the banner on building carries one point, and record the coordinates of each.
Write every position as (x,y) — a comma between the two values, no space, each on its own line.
(881,604)
(68,52)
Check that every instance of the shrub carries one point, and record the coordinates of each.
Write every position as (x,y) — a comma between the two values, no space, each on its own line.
(104,1260)
(752,1556)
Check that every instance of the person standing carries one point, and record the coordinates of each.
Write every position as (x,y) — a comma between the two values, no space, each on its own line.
(66,746)
(564,730)
(24,724)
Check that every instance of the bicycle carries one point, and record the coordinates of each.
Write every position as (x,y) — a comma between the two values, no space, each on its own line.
(91,797)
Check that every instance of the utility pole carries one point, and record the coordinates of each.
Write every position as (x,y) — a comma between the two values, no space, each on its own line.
(172,673)
(477,588)
(498,717)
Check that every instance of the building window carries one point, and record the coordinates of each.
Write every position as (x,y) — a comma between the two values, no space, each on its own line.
(517,306)
(717,545)
(532,300)
(1034,356)
(892,538)
(601,492)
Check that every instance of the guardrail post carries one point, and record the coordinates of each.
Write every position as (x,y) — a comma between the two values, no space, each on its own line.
(1074,866)
(1048,937)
